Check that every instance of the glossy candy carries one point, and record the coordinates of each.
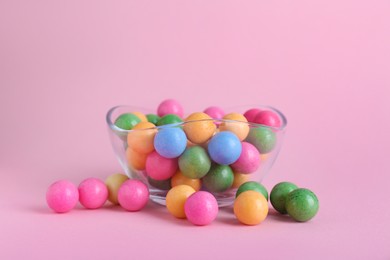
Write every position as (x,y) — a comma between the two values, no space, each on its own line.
(279,194)
(133,195)
(141,116)
(201,208)
(170,106)
(170,142)
(214,112)
(268,118)
(219,178)
(153,118)
(250,207)
(176,198)
(302,204)
(239,179)
(224,148)
(93,193)
(239,125)
(160,168)
(169,119)
(127,121)
(263,138)
(113,183)
(249,160)
(180,179)
(136,160)
(252,185)
(194,163)
(141,138)
(62,196)
(251,114)
(201,131)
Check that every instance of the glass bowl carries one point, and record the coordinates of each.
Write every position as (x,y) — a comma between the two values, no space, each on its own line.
(158,189)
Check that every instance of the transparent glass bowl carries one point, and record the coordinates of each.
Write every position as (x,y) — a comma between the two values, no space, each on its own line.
(118,139)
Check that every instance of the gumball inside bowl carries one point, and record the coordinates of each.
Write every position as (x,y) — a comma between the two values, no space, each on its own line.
(211,154)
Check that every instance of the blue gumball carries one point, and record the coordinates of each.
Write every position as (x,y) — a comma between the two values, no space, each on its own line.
(170,142)
(225,148)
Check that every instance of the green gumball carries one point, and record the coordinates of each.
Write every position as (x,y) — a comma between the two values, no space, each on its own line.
(279,194)
(302,204)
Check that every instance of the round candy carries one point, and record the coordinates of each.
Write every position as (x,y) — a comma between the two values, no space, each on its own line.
(176,198)
(219,178)
(251,114)
(180,179)
(302,204)
(127,121)
(170,106)
(239,179)
(201,208)
(170,142)
(141,138)
(141,116)
(201,129)
(169,119)
(136,160)
(113,184)
(268,118)
(241,129)
(152,118)
(249,160)
(93,193)
(263,138)
(161,185)
(250,208)
(194,163)
(279,194)
(252,185)
(224,148)
(214,112)
(133,195)
(62,196)
(160,168)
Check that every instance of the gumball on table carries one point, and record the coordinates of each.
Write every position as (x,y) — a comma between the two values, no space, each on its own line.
(62,196)
(250,207)
(93,193)
(133,195)
(176,198)
(113,183)
(252,185)
(302,204)
(201,208)
(279,194)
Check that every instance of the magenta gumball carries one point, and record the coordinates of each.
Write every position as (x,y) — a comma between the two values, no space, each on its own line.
(170,106)
(268,118)
(251,114)
(201,208)
(249,160)
(62,196)
(133,195)
(93,193)
(214,112)
(160,168)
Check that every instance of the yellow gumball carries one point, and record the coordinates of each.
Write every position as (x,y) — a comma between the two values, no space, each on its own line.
(241,129)
(141,138)
(240,178)
(141,116)
(180,179)
(176,198)
(201,130)
(113,183)
(250,207)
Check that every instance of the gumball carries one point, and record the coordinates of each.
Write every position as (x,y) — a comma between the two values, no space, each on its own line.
(194,163)
(136,160)
(264,156)
(201,129)
(225,148)
(170,142)
(133,195)
(250,207)
(113,184)
(180,179)
(169,119)
(62,196)
(170,106)
(141,116)
(249,160)
(152,118)
(302,204)
(268,118)
(160,168)
(93,193)
(176,198)
(127,121)
(241,128)
(141,138)
(279,194)
(214,112)
(239,179)
(219,178)
(161,185)
(252,185)
(201,208)
(263,138)
(251,114)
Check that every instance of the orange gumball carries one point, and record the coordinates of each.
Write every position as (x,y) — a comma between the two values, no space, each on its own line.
(141,116)
(180,179)
(141,138)
(240,178)
(199,132)
(176,198)
(241,129)
(136,160)
(250,207)
(264,156)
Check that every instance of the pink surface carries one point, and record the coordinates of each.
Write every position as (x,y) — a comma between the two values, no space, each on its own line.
(325,64)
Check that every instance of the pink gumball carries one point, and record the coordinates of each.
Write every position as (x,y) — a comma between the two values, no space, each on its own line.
(62,196)
(160,168)
(251,114)
(268,118)
(249,160)
(170,106)
(201,208)
(133,195)
(214,112)
(93,193)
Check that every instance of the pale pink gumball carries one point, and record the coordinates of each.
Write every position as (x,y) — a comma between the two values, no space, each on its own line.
(214,112)
(62,196)
(251,114)
(160,168)
(201,208)
(170,106)
(249,160)
(268,118)
(93,193)
(133,195)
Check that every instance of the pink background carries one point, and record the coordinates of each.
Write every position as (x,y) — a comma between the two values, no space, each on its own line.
(324,63)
